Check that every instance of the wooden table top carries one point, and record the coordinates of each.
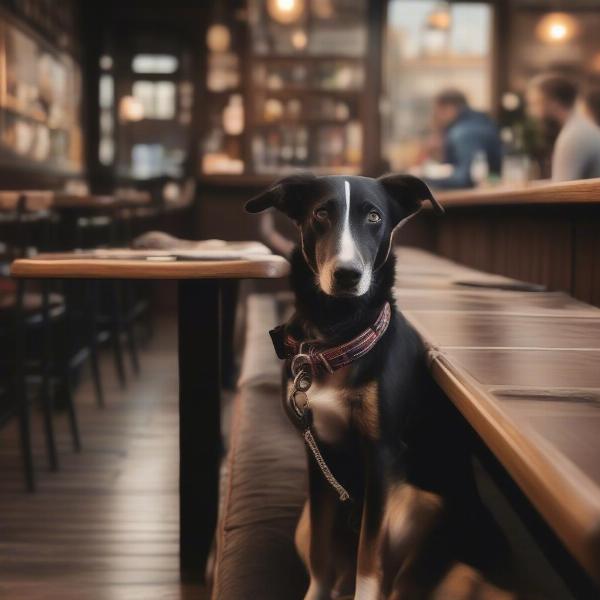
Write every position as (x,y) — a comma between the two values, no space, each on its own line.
(37,200)
(34,200)
(236,260)
(523,368)
(584,191)
(67,201)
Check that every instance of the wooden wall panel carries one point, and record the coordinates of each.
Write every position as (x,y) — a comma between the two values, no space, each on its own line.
(586,260)
(535,245)
(533,248)
(466,238)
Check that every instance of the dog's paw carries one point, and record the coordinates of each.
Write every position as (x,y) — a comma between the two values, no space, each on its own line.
(317,591)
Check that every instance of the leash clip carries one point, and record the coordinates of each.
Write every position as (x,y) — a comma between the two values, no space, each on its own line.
(302,371)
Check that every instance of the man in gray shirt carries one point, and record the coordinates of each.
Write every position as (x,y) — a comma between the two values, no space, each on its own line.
(552,98)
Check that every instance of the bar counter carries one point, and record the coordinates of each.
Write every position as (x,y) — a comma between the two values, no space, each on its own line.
(543,232)
(583,191)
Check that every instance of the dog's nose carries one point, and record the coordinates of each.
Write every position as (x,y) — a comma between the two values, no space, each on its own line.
(346,276)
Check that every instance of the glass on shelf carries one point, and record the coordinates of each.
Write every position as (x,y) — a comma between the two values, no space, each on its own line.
(309,109)
(285,147)
(326,75)
(316,29)
(233,115)
(223,72)
(347,40)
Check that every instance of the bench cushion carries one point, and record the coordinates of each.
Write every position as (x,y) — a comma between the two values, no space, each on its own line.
(266,485)
(520,363)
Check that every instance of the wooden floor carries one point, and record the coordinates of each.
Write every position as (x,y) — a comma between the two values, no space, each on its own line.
(106,526)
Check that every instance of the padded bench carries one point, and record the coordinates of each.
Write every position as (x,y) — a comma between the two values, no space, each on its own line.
(265,482)
(521,364)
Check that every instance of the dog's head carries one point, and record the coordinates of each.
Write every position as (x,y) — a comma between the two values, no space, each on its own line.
(346,224)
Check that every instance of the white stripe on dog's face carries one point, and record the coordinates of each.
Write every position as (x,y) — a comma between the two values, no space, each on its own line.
(346,253)
(347,247)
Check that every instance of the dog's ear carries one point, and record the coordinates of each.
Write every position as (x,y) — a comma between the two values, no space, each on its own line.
(409,193)
(290,195)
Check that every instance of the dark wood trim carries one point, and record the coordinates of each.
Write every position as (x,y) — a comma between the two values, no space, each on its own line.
(199,421)
(583,191)
(500,39)
(371,118)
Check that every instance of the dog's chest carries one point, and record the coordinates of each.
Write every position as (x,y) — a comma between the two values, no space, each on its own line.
(336,408)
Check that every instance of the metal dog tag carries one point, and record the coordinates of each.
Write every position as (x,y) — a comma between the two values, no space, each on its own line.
(303,381)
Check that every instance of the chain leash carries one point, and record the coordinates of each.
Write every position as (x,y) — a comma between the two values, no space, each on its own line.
(302,371)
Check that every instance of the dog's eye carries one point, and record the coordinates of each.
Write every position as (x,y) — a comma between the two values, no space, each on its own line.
(321,214)
(373,217)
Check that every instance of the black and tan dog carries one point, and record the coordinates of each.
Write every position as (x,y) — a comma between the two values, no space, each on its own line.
(389,438)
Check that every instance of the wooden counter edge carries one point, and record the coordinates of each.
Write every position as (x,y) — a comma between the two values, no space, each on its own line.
(271,267)
(567,499)
(583,191)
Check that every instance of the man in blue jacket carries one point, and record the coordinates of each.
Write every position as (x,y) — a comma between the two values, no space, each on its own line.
(468,135)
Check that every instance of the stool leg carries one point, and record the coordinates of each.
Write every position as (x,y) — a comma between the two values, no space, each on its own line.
(92,291)
(130,327)
(66,377)
(21,392)
(116,328)
(25,435)
(73,425)
(47,403)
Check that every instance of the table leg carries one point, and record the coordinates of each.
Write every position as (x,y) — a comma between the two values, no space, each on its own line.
(200,442)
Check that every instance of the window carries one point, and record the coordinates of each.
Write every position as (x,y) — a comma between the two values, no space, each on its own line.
(147,160)
(163,64)
(157,97)
(430,45)
(106,100)
(154,160)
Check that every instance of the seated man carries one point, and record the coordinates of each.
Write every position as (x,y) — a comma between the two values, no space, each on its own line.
(468,134)
(552,100)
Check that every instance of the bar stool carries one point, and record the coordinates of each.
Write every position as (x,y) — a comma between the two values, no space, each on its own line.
(26,222)
(88,221)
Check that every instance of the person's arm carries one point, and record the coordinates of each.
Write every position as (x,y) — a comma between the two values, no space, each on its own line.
(464,147)
(569,156)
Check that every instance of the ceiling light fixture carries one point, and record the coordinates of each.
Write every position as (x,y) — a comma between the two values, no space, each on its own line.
(285,12)
(557,28)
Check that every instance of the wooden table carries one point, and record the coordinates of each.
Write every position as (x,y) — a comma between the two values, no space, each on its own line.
(33,200)
(98,202)
(522,368)
(199,323)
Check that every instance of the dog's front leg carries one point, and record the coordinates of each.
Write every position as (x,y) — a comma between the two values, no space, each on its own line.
(369,573)
(317,522)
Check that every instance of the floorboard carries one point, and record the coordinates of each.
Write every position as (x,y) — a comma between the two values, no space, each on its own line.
(105,527)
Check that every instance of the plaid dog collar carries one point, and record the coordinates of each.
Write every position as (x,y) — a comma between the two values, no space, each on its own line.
(336,357)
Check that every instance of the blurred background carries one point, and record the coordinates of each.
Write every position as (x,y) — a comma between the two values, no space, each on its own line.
(119,117)
(256,88)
